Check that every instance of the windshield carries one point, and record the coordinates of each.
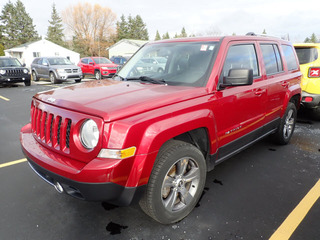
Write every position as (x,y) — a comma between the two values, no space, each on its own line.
(306,55)
(102,61)
(59,61)
(9,62)
(177,63)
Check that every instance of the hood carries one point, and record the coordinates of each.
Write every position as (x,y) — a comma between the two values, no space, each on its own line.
(64,66)
(113,100)
(109,65)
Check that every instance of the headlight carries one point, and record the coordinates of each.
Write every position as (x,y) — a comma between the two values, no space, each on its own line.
(25,71)
(60,70)
(2,71)
(89,134)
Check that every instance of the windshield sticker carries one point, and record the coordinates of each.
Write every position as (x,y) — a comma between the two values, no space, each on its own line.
(211,48)
(203,48)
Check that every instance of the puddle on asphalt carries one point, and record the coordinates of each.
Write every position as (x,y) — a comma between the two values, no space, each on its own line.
(203,193)
(108,206)
(218,182)
(115,228)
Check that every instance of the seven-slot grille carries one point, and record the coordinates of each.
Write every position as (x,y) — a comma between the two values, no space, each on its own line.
(75,70)
(13,72)
(51,129)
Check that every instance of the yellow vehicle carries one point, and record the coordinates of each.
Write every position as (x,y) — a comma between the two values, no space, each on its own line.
(309,59)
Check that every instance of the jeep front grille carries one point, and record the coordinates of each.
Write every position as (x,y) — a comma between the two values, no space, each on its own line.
(51,129)
(14,72)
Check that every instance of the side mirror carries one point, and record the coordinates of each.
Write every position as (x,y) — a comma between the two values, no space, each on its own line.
(238,77)
(24,65)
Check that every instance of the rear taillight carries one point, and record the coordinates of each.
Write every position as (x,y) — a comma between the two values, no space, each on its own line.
(308,99)
(314,72)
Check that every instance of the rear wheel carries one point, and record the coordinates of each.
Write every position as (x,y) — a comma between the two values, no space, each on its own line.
(316,113)
(176,182)
(287,125)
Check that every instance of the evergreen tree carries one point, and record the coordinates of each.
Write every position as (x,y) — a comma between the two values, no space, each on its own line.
(158,37)
(55,29)
(264,31)
(1,50)
(307,40)
(183,33)
(18,26)
(313,38)
(133,28)
(122,28)
(166,36)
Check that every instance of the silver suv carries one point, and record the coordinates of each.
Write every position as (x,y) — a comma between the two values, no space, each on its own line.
(57,69)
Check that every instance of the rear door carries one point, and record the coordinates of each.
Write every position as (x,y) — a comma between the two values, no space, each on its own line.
(240,110)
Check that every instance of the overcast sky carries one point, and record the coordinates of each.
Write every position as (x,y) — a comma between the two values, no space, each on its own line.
(297,18)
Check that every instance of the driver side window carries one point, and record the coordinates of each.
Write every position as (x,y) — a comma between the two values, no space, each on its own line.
(241,57)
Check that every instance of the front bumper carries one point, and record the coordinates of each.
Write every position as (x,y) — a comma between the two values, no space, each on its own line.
(109,192)
(310,104)
(92,181)
(14,79)
(69,76)
(108,72)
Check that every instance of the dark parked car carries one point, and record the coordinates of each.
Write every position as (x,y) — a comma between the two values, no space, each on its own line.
(119,60)
(57,69)
(12,71)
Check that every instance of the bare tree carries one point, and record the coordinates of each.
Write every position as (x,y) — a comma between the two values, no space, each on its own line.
(92,27)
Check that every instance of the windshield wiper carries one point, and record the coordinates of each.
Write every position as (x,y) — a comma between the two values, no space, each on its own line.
(146,79)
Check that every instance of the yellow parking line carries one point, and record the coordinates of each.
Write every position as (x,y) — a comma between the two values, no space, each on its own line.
(297,215)
(4,98)
(12,163)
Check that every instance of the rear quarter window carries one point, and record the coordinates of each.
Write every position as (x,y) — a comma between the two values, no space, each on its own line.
(290,57)
(307,54)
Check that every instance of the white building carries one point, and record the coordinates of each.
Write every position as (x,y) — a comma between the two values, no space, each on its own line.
(42,48)
(125,47)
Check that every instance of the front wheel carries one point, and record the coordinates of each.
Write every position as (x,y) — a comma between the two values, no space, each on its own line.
(97,75)
(176,182)
(53,78)
(34,76)
(27,82)
(287,125)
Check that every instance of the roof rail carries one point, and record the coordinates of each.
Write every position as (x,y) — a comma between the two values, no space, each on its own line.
(261,35)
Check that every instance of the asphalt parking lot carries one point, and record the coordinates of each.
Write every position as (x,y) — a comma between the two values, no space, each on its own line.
(265,192)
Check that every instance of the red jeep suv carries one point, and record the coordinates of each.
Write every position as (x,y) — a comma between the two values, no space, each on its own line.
(98,66)
(152,136)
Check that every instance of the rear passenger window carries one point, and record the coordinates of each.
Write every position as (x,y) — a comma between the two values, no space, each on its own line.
(271,58)
(290,57)
(85,61)
(241,56)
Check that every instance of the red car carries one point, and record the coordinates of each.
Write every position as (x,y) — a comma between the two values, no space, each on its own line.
(152,136)
(98,66)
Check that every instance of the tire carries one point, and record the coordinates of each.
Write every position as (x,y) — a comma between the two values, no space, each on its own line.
(27,83)
(316,113)
(34,76)
(78,80)
(287,125)
(160,70)
(97,75)
(176,182)
(53,78)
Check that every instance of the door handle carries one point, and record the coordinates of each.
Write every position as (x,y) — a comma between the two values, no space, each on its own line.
(259,92)
(285,84)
